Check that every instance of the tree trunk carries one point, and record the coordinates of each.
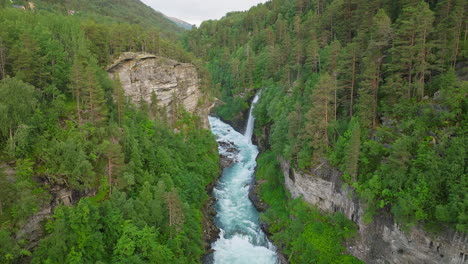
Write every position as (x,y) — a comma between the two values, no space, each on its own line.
(78,110)
(422,74)
(410,71)
(2,61)
(457,43)
(353,77)
(109,174)
(376,92)
(335,88)
(11,139)
(326,124)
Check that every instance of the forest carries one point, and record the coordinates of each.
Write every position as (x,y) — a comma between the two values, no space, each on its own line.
(376,88)
(137,186)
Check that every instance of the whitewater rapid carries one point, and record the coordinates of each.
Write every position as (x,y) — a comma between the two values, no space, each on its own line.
(241,241)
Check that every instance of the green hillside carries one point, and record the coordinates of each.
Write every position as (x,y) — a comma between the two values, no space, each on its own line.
(377,88)
(128,11)
(137,188)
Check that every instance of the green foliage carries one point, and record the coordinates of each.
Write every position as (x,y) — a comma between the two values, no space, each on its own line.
(304,233)
(132,12)
(9,250)
(62,130)
(17,104)
(373,86)
(153,198)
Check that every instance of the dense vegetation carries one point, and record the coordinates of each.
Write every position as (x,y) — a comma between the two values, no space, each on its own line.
(65,126)
(123,11)
(376,87)
(304,233)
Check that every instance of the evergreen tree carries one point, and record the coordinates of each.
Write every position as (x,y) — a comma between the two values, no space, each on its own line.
(319,116)
(3,56)
(119,98)
(348,70)
(451,18)
(77,84)
(17,104)
(332,68)
(26,58)
(94,94)
(412,49)
(176,214)
(380,37)
(313,55)
(115,160)
(352,157)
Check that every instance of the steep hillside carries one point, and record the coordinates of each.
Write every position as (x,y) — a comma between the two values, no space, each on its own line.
(86,174)
(129,11)
(181,23)
(374,87)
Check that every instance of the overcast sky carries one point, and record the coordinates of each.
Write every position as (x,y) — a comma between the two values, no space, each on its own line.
(196,11)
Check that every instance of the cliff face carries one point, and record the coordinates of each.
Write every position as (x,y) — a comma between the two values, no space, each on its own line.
(142,74)
(382,240)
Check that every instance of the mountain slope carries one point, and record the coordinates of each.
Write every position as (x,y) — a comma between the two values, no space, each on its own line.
(374,87)
(129,11)
(181,23)
(83,171)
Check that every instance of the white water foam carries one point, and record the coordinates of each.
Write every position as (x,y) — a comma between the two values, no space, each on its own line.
(241,240)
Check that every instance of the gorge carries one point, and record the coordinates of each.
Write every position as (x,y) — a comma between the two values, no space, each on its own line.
(127,139)
(241,239)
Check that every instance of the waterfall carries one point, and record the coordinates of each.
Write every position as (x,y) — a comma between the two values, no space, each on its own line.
(241,241)
(250,122)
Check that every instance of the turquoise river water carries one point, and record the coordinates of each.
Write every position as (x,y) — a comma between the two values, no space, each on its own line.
(241,241)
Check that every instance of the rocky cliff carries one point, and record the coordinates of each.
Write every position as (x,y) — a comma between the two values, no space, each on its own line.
(382,240)
(143,74)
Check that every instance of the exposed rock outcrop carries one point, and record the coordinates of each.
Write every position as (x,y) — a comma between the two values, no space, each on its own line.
(32,231)
(228,154)
(210,230)
(172,82)
(254,197)
(382,240)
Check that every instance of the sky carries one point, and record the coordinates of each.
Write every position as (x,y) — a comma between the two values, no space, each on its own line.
(196,11)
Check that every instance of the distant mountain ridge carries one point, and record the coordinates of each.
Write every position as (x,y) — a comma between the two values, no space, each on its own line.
(129,11)
(180,23)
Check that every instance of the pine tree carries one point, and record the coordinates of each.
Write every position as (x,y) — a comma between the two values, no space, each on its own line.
(411,51)
(17,104)
(353,149)
(155,110)
(95,102)
(295,128)
(319,116)
(319,6)
(348,70)
(249,66)
(380,36)
(176,213)
(119,97)
(302,6)
(281,28)
(451,21)
(115,160)
(313,53)
(26,59)
(332,68)
(3,56)
(77,84)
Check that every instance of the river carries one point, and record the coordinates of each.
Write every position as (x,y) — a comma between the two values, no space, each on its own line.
(241,241)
